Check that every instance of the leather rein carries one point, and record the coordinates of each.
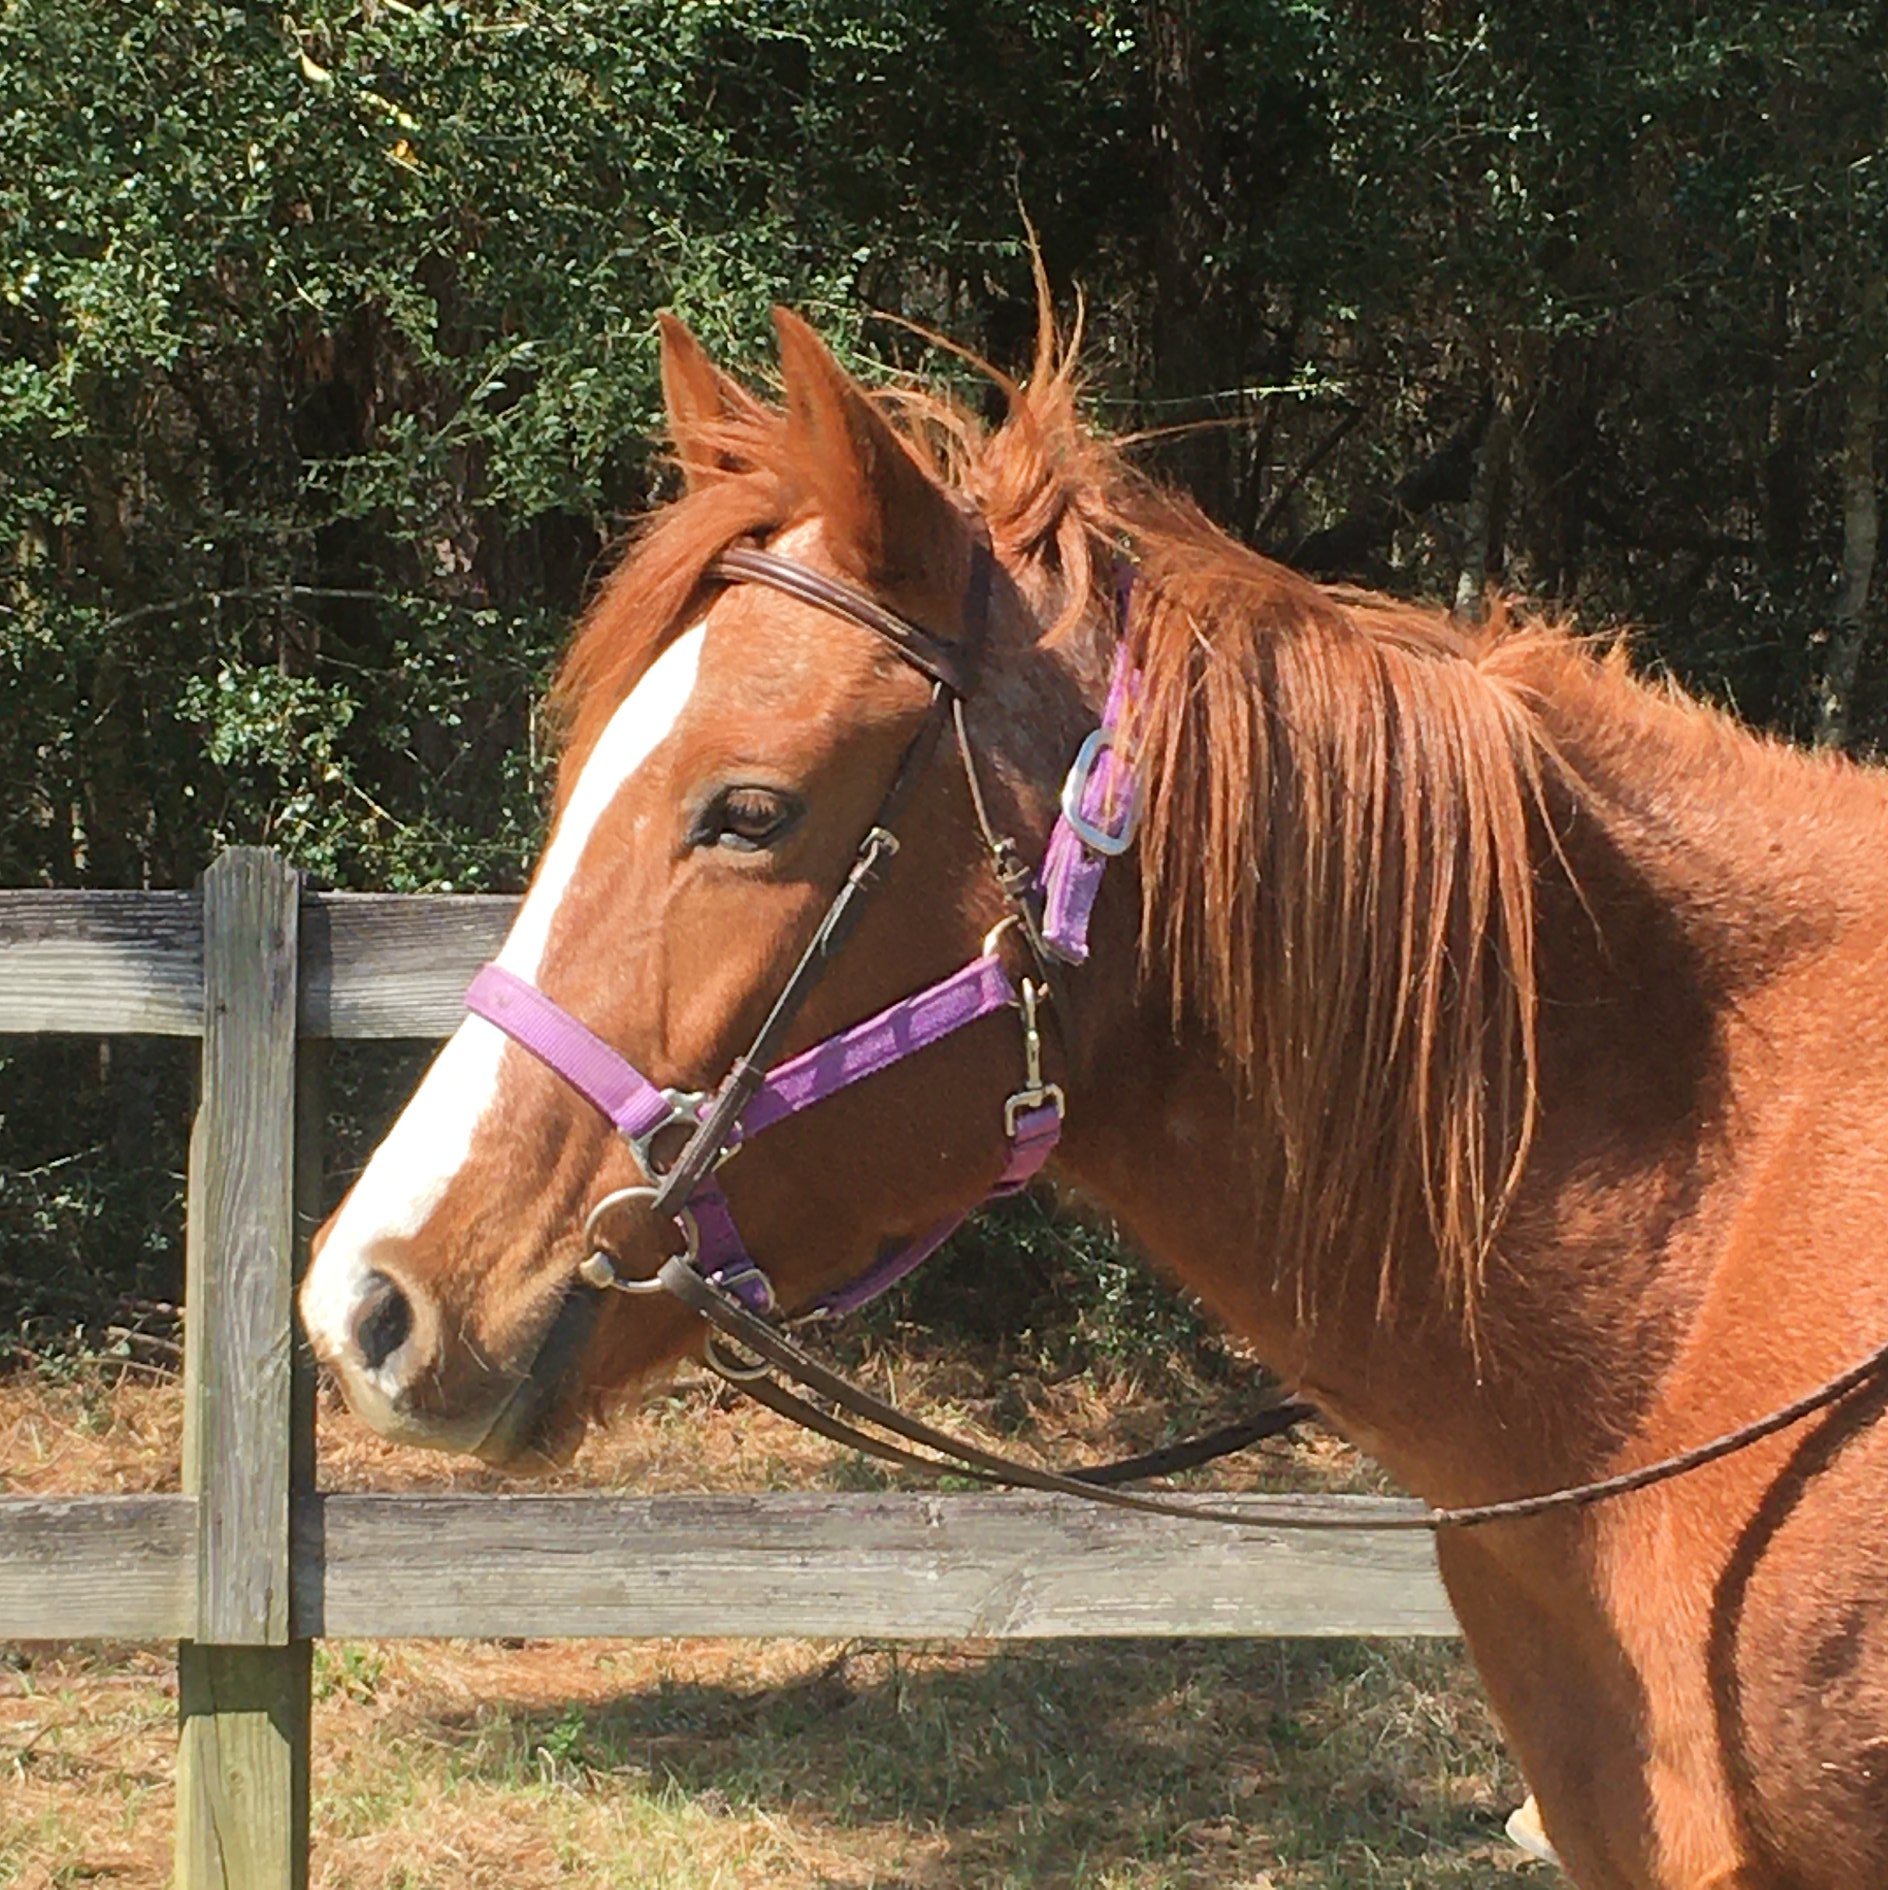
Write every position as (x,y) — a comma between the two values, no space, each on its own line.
(716,1277)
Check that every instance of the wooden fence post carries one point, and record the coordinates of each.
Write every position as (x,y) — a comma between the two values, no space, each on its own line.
(244,1685)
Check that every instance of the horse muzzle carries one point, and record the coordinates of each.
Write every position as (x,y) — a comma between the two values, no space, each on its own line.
(412,1377)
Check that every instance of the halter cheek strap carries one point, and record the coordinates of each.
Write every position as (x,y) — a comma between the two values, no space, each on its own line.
(1096,823)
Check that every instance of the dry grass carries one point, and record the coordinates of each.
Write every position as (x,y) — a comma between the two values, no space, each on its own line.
(686,1765)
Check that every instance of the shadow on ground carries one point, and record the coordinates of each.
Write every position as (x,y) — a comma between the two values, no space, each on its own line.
(1290,1764)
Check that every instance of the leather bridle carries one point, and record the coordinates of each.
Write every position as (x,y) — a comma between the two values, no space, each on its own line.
(755,1093)
(1049,911)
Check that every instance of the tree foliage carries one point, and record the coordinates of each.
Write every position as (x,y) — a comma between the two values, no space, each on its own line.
(327,372)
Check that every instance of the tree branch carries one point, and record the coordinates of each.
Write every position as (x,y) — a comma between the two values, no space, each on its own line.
(1350,547)
(259,593)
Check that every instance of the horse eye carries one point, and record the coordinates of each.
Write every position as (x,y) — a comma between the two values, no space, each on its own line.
(746,819)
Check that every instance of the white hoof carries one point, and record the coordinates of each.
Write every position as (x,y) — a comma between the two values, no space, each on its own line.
(1524,1830)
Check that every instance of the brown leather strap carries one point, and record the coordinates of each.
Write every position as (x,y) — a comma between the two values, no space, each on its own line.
(705,1146)
(951,669)
(772,1346)
(948,663)
(1167,1461)
(1170,1459)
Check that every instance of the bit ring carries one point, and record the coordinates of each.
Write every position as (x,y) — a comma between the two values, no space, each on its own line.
(594,1273)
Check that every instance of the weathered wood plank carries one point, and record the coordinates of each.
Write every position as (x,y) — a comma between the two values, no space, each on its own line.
(101,962)
(888,1566)
(237,1296)
(243,1691)
(242,1686)
(97,1568)
(394,964)
(894,1566)
(311,1127)
(384,965)
(242,1767)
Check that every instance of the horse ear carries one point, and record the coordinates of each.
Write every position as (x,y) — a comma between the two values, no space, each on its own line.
(884,514)
(701,400)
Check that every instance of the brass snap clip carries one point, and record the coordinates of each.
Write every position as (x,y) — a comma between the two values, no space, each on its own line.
(1035,1093)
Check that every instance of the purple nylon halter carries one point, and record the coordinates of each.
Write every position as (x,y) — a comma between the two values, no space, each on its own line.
(1099,812)
(1100,808)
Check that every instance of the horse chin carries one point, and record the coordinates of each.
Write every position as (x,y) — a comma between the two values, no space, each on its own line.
(530,1435)
(541,1421)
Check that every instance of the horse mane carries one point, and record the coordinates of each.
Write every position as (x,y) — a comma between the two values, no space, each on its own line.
(1342,798)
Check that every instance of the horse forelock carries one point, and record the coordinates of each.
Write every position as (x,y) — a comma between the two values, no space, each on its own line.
(1343,802)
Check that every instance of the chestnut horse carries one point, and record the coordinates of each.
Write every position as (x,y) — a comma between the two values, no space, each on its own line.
(1496,1042)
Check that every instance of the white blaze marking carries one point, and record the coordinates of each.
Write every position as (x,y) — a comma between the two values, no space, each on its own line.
(415,1165)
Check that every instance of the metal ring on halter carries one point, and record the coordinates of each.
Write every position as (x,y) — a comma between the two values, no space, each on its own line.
(599,1269)
(994,937)
(735,1371)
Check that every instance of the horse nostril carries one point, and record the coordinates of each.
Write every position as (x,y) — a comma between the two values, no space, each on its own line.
(383,1321)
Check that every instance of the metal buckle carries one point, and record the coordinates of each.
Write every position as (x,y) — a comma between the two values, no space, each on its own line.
(1110,845)
(1035,1093)
(1025,1099)
(685,1107)
(599,1269)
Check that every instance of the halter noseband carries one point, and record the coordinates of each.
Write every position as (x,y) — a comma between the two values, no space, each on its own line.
(1051,912)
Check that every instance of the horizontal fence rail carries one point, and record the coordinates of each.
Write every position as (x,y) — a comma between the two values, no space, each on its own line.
(374,965)
(103,963)
(250,1564)
(98,1568)
(838,1566)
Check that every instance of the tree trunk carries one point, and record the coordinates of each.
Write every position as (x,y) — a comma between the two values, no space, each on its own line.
(1560,461)
(1189,342)
(1481,554)
(1861,527)
(1786,460)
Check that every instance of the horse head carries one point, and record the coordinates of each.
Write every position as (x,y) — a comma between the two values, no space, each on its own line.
(730,746)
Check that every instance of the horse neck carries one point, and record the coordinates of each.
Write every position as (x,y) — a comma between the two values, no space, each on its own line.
(1677,883)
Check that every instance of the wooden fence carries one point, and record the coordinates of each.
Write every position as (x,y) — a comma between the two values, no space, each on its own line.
(251,1563)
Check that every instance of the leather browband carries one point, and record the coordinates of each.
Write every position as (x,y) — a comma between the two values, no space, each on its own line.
(945,663)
